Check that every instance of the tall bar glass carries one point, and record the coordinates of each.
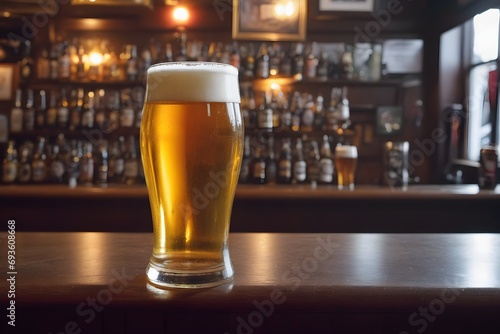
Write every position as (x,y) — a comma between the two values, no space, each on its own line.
(346,158)
(191,147)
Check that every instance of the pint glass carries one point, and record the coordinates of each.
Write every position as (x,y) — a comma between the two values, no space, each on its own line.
(346,157)
(191,146)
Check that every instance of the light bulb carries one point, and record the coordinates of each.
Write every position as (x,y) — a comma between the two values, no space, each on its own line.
(181,15)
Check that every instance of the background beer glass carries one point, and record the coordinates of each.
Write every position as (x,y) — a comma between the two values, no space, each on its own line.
(191,147)
(346,157)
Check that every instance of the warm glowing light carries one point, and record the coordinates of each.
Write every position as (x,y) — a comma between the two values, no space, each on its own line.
(95,58)
(181,15)
(273,71)
(284,9)
(275,86)
(6,14)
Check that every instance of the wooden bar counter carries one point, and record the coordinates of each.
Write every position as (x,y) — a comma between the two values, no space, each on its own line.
(284,283)
(299,209)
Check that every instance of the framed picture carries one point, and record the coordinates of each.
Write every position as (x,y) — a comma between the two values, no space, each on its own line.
(389,120)
(6,81)
(346,5)
(273,20)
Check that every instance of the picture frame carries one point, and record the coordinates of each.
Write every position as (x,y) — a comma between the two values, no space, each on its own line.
(346,5)
(389,120)
(7,79)
(271,21)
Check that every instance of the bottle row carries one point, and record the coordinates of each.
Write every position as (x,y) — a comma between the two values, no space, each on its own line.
(299,112)
(76,109)
(109,110)
(101,60)
(73,162)
(82,162)
(305,162)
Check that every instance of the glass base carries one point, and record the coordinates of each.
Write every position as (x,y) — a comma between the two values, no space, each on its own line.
(165,277)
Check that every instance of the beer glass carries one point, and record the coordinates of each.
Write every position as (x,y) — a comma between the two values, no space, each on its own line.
(346,157)
(191,146)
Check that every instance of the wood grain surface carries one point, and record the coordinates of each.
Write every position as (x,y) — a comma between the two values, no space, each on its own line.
(304,283)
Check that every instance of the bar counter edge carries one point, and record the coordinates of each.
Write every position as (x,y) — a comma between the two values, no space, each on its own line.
(298,209)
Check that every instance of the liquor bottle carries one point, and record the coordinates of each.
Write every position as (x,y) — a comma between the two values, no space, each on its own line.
(265,115)
(311,64)
(348,62)
(26,63)
(73,54)
(235,58)
(94,71)
(286,63)
(245,163)
(24,171)
(56,163)
(86,175)
(114,112)
(376,63)
(225,57)
(43,65)
(313,164)
(271,165)
(63,112)
(203,54)
(139,105)
(298,60)
(73,163)
(326,168)
(299,164)
(39,165)
(285,163)
(249,71)
(252,111)
(307,123)
(330,114)
(76,109)
(41,111)
(131,171)
(111,70)
(88,112)
(274,60)
(132,63)
(182,54)
(9,166)
(54,60)
(64,63)
(322,69)
(80,65)
(100,110)
(127,112)
(51,116)
(275,108)
(16,114)
(168,53)
(245,115)
(319,113)
(286,115)
(29,112)
(145,62)
(258,168)
(296,111)
(102,165)
(262,70)
(116,161)
(342,113)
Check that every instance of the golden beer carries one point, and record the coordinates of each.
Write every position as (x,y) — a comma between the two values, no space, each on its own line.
(191,150)
(346,157)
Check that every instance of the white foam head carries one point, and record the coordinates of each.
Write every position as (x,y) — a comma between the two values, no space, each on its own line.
(346,151)
(192,82)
